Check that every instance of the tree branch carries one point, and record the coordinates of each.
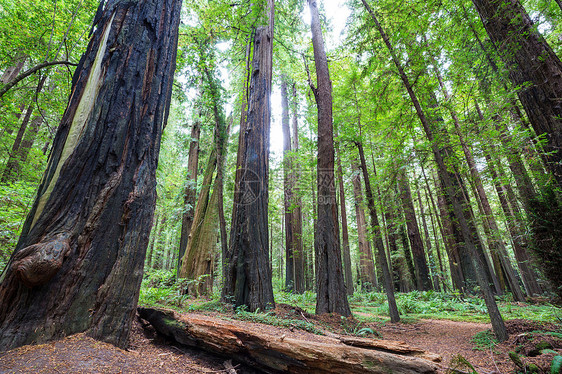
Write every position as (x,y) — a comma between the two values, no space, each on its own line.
(32,71)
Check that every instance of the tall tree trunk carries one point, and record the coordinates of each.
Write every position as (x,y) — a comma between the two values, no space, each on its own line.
(190,190)
(346,253)
(428,243)
(497,247)
(299,256)
(330,285)
(381,255)
(528,275)
(78,263)
(288,183)
(533,67)
(459,207)
(153,235)
(367,275)
(423,282)
(250,274)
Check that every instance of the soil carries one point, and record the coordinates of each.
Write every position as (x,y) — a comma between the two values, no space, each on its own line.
(149,353)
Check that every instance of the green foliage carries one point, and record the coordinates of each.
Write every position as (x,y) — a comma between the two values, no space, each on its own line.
(270,318)
(556,366)
(484,341)
(15,200)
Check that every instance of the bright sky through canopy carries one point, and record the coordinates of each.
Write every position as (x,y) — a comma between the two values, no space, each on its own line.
(337,13)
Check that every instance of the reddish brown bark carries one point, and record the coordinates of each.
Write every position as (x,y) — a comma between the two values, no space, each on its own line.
(248,278)
(330,284)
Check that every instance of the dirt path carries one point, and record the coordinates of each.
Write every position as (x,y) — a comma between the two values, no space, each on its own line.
(448,339)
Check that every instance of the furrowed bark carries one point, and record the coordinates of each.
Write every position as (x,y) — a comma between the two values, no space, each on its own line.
(248,279)
(90,223)
(330,284)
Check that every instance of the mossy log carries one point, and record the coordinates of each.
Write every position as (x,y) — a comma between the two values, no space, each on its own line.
(276,354)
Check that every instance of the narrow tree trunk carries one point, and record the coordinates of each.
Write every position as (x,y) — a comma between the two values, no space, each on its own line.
(78,264)
(381,255)
(21,148)
(367,275)
(423,282)
(190,190)
(346,253)
(250,275)
(153,235)
(299,255)
(288,184)
(458,206)
(428,244)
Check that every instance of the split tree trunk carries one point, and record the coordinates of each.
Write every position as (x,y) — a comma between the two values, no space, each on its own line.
(78,263)
(330,284)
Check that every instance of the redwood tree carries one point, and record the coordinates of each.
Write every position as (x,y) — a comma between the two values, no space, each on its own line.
(78,263)
(248,274)
(330,286)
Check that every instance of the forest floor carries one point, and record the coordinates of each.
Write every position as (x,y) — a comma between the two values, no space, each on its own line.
(150,353)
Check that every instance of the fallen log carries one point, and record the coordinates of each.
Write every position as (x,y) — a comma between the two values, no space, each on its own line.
(275,354)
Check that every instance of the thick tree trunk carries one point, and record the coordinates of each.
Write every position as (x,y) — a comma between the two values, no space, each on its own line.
(533,67)
(190,190)
(78,263)
(375,227)
(279,354)
(367,275)
(250,274)
(330,284)
(423,281)
(460,208)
